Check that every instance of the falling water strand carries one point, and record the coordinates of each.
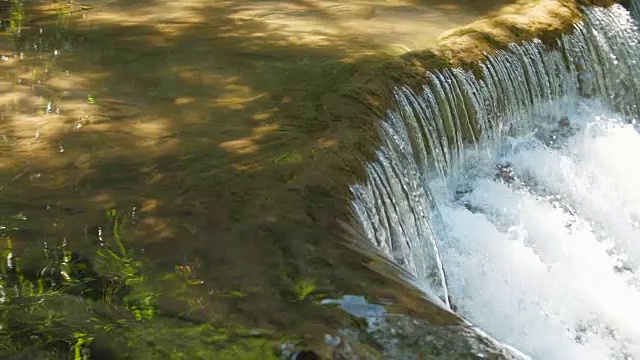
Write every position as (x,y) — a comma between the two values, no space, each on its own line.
(635,9)
(434,140)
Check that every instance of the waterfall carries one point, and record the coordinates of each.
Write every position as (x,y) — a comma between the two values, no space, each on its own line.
(469,166)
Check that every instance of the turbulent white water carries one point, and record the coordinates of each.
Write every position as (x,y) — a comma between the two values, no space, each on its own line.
(513,198)
(545,254)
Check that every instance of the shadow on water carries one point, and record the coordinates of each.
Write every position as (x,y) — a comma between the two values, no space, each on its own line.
(223,130)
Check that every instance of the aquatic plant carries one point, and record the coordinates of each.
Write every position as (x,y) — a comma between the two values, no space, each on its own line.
(73,308)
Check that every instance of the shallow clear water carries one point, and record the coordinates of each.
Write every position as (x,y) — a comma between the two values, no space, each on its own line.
(177,168)
(543,246)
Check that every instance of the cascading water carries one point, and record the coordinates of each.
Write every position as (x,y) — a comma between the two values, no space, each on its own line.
(512,198)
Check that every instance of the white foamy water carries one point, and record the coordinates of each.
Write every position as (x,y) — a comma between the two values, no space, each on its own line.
(537,242)
(546,256)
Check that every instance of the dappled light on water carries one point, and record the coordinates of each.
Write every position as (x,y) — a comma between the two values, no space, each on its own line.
(226,131)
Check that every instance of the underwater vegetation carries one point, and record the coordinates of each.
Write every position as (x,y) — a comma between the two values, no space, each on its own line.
(57,304)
